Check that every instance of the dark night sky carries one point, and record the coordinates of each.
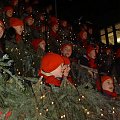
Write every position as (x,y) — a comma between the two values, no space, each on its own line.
(99,12)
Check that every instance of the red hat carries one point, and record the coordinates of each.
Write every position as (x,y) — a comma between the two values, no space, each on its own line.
(16,22)
(66,60)
(64,45)
(28,17)
(89,49)
(103,79)
(50,62)
(8,8)
(53,21)
(36,42)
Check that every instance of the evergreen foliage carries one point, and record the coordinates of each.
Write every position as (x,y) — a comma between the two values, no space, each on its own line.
(24,98)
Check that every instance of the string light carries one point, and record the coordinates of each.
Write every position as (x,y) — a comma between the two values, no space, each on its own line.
(83,96)
(52,103)
(18,73)
(40,113)
(88,113)
(101,114)
(63,116)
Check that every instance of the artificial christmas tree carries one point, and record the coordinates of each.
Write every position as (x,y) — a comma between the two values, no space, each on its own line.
(30,99)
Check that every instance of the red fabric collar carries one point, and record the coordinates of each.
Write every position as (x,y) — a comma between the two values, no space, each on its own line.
(111,94)
(51,80)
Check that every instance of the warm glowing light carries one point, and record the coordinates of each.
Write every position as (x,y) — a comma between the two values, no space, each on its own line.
(88,113)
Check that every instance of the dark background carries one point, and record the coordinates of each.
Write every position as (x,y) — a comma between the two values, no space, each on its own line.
(99,12)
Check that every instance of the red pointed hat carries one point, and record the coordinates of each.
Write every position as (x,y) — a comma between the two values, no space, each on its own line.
(50,62)
(28,17)
(36,42)
(16,22)
(66,44)
(8,8)
(89,49)
(103,79)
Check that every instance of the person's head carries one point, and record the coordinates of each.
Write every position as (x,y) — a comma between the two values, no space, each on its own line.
(29,9)
(91,53)
(66,49)
(83,35)
(52,63)
(1,28)
(8,11)
(108,51)
(17,24)
(55,27)
(29,20)
(64,23)
(36,43)
(14,2)
(106,83)
(66,66)
(41,17)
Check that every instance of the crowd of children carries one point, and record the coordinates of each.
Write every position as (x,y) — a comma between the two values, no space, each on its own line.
(43,45)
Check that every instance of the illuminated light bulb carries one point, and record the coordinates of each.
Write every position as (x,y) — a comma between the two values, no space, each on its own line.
(113,112)
(41,97)
(52,103)
(19,53)
(88,113)
(101,114)
(46,110)
(61,116)
(36,108)
(41,82)
(79,99)
(40,113)
(83,96)
(18,73)
(113,108)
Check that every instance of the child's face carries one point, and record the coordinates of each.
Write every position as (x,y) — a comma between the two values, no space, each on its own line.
(30,21)
(92,54)
(58,72)
(9,13)
(66,70)
(55,27)
(19,29)
(108,85)
(64,24)
(84,35)
(1,31)
(42,45)
(67,51)
(15,2)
